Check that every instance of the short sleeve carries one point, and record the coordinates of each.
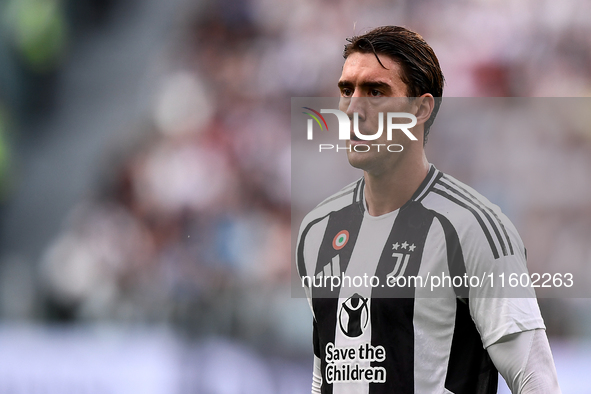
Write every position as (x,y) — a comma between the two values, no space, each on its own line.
(503,302)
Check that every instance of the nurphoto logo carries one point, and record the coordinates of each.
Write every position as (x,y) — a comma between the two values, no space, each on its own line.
(345,129)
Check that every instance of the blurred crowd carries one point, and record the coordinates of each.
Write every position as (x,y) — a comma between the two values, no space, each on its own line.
(190,223)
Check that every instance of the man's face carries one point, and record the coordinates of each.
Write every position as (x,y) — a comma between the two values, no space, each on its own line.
(365,87)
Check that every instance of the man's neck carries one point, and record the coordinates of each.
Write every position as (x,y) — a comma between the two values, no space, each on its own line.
(389,191)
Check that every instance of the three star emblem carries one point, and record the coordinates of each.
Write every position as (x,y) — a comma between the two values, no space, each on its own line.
(404,245)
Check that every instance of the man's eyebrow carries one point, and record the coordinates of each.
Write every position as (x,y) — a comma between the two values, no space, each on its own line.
(376,85)
(366,85)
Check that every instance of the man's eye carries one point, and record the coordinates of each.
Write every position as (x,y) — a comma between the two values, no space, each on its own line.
(375,93)
(346,92)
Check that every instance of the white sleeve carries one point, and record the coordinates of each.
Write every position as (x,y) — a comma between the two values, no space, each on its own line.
(525,361)
(316,377)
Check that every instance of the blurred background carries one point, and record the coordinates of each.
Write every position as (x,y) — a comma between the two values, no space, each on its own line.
(145,165)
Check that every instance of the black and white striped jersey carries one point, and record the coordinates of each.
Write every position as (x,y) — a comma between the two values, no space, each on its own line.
(393,337)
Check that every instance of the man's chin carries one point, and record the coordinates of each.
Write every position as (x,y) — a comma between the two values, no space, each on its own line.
(359,160)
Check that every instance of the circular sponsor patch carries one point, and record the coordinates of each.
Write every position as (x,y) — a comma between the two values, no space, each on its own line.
(340,240)
(354,315)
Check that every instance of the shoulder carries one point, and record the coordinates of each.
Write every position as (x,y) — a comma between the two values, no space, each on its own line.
(454,199)
(315,223)
(477,221)
(348,195)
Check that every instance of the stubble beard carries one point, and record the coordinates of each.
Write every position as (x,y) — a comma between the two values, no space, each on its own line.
(371,162)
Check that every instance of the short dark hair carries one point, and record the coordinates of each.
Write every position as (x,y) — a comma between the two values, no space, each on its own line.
(420,68)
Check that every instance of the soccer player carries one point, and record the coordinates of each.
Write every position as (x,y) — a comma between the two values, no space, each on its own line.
(404,219)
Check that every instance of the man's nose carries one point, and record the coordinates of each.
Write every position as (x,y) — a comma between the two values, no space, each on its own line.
(356,105)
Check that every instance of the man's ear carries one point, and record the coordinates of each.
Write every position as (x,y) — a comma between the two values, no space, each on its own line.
(423,107)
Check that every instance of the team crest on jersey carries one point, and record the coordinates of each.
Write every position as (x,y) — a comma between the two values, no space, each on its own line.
(354,315)
(340,240)
(401,258)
